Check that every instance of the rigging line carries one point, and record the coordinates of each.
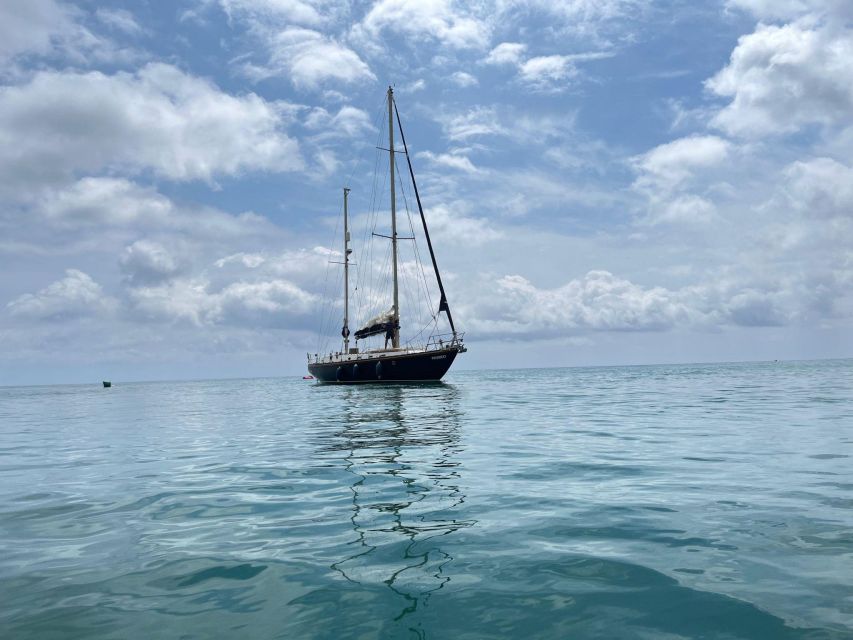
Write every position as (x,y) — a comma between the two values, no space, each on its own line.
(365,151)
(358,163)
(411,301)
(374,218)
(375,222)
(418,334)
(363,257)
(367,254)
(326,299)
(443,304)
(415,301)
(416,250)
(330,333)
(362,270)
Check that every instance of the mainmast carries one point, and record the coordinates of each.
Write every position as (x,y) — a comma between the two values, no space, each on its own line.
(396,320)
(347,251)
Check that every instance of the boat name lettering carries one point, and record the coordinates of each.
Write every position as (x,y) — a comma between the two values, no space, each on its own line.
(439,357)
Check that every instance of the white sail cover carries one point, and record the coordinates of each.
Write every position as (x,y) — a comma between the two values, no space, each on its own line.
(382,318)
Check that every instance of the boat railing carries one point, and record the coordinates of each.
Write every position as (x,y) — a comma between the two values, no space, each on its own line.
(444,340)
(434,343)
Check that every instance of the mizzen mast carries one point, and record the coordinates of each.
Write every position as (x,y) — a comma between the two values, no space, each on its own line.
(396,320)
(347,251)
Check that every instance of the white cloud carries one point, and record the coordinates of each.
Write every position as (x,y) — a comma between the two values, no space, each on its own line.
(310,59)
(782,78)
(688,208)
(349,122)
(30,26)
(99,205)
(76,295)
(462,79)
(591,21)
(451,160)
(668,174)
(119,20)
(92,202)
(513,306)
(600,301)
(506,53)
(248,260)
(455,223)
(146,261)
(276,302)
(545,72)
(792,9)
(668,165)
(476,122)
(49,28)
(442,20)
(287,11)
(418,85)
(820,188)
(160,119)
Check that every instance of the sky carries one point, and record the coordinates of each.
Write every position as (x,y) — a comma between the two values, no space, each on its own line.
(607,181)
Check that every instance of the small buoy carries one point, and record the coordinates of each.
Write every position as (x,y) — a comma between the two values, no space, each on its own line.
(107,384)
(307,377)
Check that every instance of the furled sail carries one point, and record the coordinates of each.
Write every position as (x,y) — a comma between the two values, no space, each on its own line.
(382,323)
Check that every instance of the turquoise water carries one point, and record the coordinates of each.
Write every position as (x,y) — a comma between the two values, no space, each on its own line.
(700,501)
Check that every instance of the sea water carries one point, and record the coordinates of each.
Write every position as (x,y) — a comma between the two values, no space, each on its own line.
(693,501)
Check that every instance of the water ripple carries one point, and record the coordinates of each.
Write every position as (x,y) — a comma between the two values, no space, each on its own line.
(651,502)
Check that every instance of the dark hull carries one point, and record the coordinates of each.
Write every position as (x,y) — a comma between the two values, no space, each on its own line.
(418,367)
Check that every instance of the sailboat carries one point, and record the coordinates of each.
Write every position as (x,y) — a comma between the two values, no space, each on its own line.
(395,363)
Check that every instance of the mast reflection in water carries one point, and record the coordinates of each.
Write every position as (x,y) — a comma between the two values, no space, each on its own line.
(400,444)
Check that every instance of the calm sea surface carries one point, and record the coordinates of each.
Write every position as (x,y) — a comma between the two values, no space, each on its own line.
(711,501)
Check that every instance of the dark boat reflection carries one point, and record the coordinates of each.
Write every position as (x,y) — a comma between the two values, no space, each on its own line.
(401,445)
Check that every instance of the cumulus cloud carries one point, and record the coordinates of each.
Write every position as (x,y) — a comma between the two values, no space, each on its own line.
(782,78)
(103,202)
(667,179)
(455,223)
(309,59)
(512,305)
(119,20)
(74,296)
(549,73)
(462,79)
(820,187)
(668,165)
(277,302)
(598,301)
(146,262)
(791,9)
(159,119)
(91,202)
(506,53)
(545,72)
(349,122)
(288,11)
(30,26)
(244,289)
(49,28)
(443,20)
